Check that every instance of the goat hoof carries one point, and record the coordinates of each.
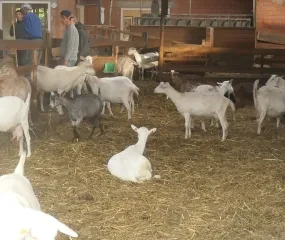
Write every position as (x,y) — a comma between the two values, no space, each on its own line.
(75,140)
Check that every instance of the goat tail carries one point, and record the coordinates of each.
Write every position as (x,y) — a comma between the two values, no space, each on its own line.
(233,109)
(134,62)
(156,176)
(135,89)
(255,86)
(20,167)
(28,100)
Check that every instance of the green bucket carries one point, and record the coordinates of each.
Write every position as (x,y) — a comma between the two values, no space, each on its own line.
(109,68)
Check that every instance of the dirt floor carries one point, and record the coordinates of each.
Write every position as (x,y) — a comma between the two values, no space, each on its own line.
(208,189)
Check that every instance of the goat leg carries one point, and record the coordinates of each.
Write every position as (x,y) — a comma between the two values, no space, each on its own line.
(101,128)
(75,134)
(92,132)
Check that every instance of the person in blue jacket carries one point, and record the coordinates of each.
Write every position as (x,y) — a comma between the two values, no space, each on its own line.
(32,30)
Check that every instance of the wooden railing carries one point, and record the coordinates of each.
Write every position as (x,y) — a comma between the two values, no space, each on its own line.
(182,58)
(34,45)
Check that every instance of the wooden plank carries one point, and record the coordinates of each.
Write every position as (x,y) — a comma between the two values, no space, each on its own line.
(184,59)
(208,50)
(101,42)
(269,61)
(24,70)
(271,37)
(22,44)
(202,69)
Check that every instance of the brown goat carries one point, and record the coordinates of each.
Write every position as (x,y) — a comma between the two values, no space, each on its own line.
(11,84)
(186,83)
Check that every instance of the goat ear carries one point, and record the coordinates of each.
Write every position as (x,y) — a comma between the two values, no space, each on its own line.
(231,81)
(219,83)
(51,223)
(64,229)
(152,131)
(134,128)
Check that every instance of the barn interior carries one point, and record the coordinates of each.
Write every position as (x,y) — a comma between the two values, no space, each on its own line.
(208,189)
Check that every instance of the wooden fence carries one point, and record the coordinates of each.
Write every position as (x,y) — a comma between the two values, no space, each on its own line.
(201,59)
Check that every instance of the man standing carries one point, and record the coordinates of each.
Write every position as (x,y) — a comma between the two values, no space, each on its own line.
(84,44)
(33,30)
(19,32)
(70,42)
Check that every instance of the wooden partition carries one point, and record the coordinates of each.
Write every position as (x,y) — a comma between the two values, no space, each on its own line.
(232,37)
(191,35)
(179,58)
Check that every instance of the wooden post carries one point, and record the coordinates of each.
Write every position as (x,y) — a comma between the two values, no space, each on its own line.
(1,38)
(261,63)
(47,47)
(110,12)
(99,15)
(34,80)
(210,37)
(14,32)
(161,47)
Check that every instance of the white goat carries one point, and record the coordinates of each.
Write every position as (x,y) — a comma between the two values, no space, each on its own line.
(115,90)
(59,80)
(268,101)
(81,80)
(224,89)
(275,81)
(198,104)
(78,84)
(21,216)
(14,114)
(145,61)
(132,103)
(125,66)
(130,164)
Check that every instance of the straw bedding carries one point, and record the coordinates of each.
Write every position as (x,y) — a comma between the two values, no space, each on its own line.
(207,190)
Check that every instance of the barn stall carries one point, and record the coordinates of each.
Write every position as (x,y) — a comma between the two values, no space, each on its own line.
(207,190)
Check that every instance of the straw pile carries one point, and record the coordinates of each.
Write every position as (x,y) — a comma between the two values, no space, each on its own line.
(208,189)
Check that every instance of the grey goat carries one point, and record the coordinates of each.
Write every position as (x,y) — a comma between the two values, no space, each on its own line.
(88,106)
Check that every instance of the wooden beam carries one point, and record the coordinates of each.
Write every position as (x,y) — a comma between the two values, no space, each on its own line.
(161,47)
(201,69)
(24,70)
(22,44)
(101,42)
(271,37)
(178,50)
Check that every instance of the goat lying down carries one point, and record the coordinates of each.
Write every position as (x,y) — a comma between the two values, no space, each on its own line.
(198,104)
(21,216)
(130,164)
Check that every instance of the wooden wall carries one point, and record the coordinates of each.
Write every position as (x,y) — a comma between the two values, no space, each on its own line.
(234,37)
(191,35)
(212,7)
(270,18)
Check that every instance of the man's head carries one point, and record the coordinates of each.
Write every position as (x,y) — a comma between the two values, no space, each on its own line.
(19,15)
(66,17)
(73,20)
(26,8)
